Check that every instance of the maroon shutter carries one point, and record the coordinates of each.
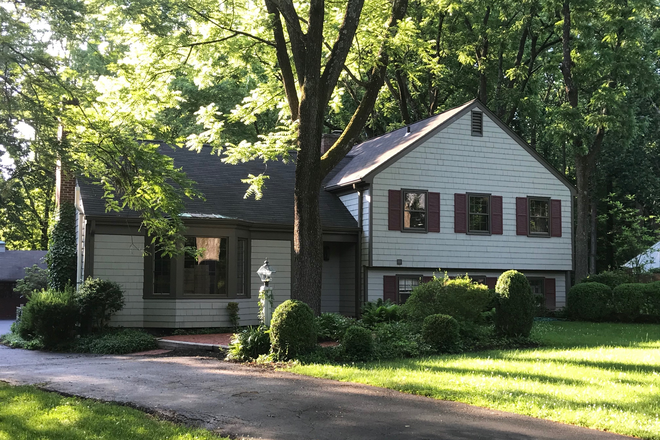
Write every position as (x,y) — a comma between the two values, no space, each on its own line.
(522,222)
(434,212)
(550,294)
(491,282)
(496,214)
(460,213)
(389,288)
(555,216)
(394,209)
(427,279)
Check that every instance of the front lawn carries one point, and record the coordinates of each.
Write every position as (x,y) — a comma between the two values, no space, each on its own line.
(603,376)
(30,414)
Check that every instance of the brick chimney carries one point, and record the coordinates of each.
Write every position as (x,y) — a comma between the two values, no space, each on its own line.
(328,140)
(65,186)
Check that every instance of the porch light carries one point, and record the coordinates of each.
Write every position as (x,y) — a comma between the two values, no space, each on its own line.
(265,273)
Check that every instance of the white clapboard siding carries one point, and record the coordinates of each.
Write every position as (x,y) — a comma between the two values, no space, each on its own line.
(452,162)
(279,257)
(119,258)
(366,228)
(350,201)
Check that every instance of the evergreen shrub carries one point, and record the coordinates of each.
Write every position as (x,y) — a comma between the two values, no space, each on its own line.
(441,332)
(332,326)
(589,302)
(610,278)
(652,299)
(358,344)
(514,313)
(628,301)
(98,300)
(49,315)
(292,330)
(398,340)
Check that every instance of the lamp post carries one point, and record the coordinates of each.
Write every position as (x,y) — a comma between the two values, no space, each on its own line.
(265,273)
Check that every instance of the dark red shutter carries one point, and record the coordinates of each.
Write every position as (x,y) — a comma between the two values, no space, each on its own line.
(550,294)
(491,282)
(427,279)
(434,212)
(496,215)
(522,222)
(394,209)
(555,216)
(460,213)
(389,288)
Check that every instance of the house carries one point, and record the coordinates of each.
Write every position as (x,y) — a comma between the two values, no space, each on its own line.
(458,192)
(647,260)
(12,268)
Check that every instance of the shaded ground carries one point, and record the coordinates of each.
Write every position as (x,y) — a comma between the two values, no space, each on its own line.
(244,401)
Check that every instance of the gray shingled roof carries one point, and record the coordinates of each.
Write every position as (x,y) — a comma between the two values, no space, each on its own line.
(13,263)
(222,187)
(368,156)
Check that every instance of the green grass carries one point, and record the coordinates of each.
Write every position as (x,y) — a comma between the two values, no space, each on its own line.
(603,376)
(30,414)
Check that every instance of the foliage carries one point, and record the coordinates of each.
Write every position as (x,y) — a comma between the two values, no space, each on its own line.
(49,315)
(379,311)
(332,326)
(35,278)
(232,310)
(589,302)
(61,256)
(14,340)
(514,313)
(628,300)
(28,412)
(611,278)
(120,341)
(292,330)
(652,296)
(249,344)
(98,300)
(440,332)
(265,297)
(358,344)
(461,298)
(400,339)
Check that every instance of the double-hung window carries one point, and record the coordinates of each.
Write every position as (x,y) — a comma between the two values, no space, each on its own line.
(478,213)
(406,284)
(539,216)
(414,210)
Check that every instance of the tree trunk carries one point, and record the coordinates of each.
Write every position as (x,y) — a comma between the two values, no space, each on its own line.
(582,174)
(594,231)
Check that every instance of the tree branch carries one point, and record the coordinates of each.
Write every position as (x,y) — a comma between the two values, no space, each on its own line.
(296,35)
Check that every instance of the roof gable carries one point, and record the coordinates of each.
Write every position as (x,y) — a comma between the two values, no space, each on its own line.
(13,263)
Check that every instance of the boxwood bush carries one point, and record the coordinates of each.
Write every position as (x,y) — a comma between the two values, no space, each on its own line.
(49,315)
(514,313)
(589,302)
(441,332)
(652,299)
(292,330)
(610,278)
(628,301)
(358,344)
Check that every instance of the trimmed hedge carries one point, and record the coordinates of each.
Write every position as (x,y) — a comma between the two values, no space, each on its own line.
(441,332)
(514,314)
(628,301)
(358,344)
(292,330)
(589,302)
(652,299)
(610,278)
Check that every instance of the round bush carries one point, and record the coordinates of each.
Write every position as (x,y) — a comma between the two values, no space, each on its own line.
(589,302)
(49,315)
(610,278)
(628,300)
(292,330)
(440,332)
(514,314)
(358,343)
(652,299)
(98,300)
(332,326)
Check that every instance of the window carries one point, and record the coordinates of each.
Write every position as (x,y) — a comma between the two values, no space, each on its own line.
(479,213)
(539,216)
(205,266)
(414,210)
(162,274)
(406,284)
(477,123)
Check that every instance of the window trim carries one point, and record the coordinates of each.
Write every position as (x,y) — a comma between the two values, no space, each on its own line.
(468,213)
(416,277)
(405,191)
(529,217)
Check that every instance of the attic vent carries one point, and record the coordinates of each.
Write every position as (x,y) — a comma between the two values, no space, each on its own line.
(477,124)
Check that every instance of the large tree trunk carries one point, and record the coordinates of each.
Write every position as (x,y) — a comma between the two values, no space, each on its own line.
(582,175)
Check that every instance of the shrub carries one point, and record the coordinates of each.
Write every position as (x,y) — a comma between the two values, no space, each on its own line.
(461,298)
(610,278)
(35,279)
(232,310)
(61,256)
(117,342)
(514,313)
(396,340)
(332,326)
(589,302)
(628,300)
(440,332)
(98,300)
(249,344)
(652,299)
(374,313)
(292,330)
(49,315)
(358,344)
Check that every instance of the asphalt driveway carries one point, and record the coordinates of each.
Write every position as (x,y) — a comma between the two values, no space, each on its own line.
(251,402)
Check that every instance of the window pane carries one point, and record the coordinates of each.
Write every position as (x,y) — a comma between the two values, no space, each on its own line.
(538,208)
(478,205)
(406,286)
(478,223)
(161,273)
(537,286)
(205,266)
(414,220)
(538,225)
(414,201)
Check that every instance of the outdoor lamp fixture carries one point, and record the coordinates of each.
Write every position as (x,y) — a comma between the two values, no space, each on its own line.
(265,273)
